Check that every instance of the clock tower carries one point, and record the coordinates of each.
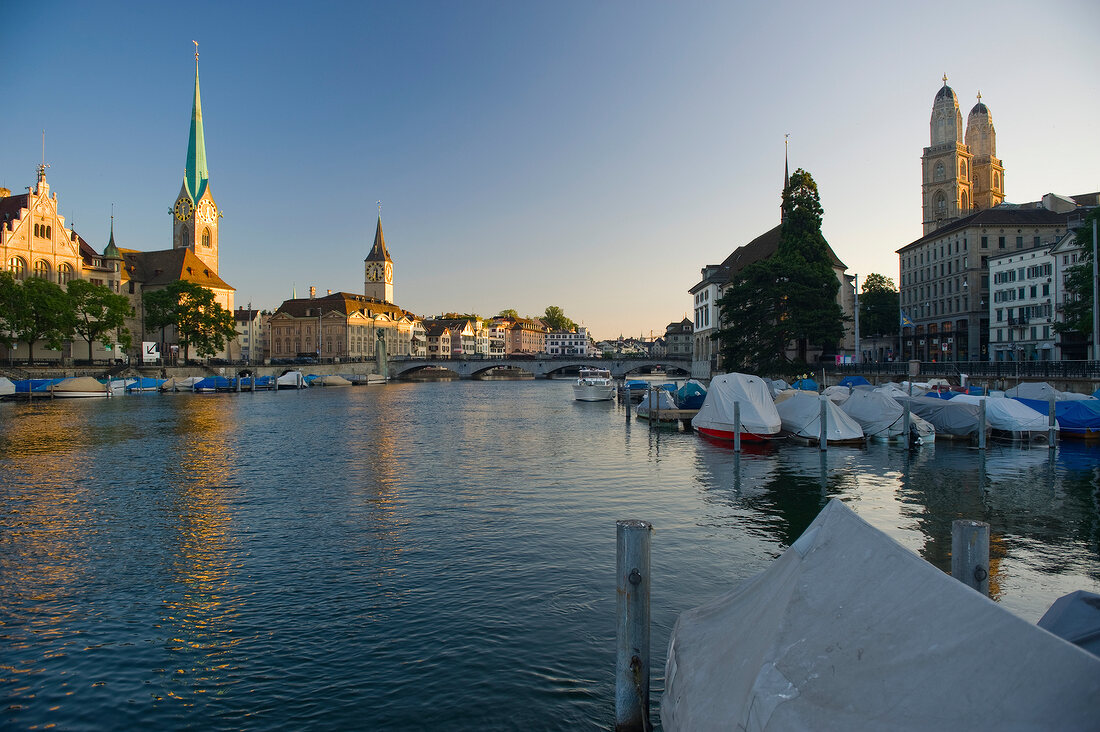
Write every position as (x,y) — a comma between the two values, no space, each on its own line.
(195,215)
(378,269)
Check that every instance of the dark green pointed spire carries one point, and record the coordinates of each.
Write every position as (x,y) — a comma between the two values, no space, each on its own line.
(195,175)
(111,251)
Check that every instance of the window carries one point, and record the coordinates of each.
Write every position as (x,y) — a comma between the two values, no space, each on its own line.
(17,267)
(1036,241)
(1000,242)
(206,237)
(985,242)
(42,269)
(49,230)
(1019,242)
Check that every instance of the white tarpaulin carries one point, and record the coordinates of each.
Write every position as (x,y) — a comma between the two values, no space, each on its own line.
(882,418)
(758,414)
(800,412)
(847,630)
(1009,415)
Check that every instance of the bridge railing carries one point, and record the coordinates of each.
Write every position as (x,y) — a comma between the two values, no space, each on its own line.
(983,369)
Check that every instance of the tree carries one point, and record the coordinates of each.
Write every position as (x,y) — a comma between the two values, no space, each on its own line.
(555,319)
(509,313)
(879,306)
(10,304)
(98,313)
(1078,304)
(198,318)
(43,312)
(791,296)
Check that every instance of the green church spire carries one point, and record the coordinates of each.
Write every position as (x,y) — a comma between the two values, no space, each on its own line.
(195,175)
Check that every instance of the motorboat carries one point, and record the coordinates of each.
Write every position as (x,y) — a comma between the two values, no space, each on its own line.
(800,413)
(180,383)
(847,609)
(594,385)
(691,395)
(1077,418)
(759,419)
(291,380)
(7,386)
(883,418)
(951,418)
(79,387)
(144,384)
(326,380)
(211,384)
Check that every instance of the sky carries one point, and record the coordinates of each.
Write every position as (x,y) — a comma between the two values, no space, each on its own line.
(589,155)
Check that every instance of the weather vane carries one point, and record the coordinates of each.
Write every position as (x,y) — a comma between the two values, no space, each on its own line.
(945,78)
(196,50)
(379,209)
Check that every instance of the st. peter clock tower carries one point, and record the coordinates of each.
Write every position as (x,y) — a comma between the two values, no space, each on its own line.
(378,269)
(195,215)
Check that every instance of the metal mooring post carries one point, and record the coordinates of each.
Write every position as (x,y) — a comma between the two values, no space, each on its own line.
(737,426)
(970,554)
(632,626)
(981,424)
(1051,421)
(823,438)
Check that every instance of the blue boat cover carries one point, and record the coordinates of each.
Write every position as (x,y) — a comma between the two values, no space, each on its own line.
(1072,415)
(691,395)
(805,385)
(853,381)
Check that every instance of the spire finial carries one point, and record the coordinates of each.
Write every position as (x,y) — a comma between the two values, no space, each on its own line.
(945,78)
(979,96)
(379,209)
(196,52)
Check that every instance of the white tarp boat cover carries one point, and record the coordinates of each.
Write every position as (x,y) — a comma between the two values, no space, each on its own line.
(800,412)
(837,394)
(883,418)
(1043,391)
(1075,617)
(7,386)
(758,414)
(1008,415)
(656,399)
(949,417)
(79,385)
(848,630)
(180,383)
(291,379)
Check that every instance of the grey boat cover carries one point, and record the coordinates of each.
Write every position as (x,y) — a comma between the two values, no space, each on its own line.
(883,418)
(848,630)
(948,416)
(1007,415)
(758,414)
(800,412)
(1043,391)
(656,399)
(1075,617)
(7,386)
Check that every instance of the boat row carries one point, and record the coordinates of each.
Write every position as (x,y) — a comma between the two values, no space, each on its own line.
(752,409)
(89,387)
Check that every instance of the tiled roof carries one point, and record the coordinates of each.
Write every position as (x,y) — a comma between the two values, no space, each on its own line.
(997,216)
(344,303)
(169,265)
(11,206)
(757,250)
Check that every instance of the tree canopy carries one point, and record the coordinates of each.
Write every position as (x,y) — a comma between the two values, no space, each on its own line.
(791,296)
(555,319)
(98,313)
(42,311)
(508,313)
(878,306)
(198,318)
(1078,306)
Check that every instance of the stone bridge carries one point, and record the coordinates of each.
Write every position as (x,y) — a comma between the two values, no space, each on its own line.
(540,368)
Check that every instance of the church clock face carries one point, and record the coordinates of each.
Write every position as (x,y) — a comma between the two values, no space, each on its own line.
(389,273)
(207,212)
(183,209)
(372,273)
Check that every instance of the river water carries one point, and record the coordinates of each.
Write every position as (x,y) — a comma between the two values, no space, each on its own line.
(429,555)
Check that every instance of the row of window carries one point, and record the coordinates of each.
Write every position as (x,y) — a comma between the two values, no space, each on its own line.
(43,231)
(18,267)
(1000,333)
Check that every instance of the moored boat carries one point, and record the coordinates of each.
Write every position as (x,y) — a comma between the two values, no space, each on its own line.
(78,387)
(800,413)
(759,419)
(594,385)
(1009,418)
(656,402)
(1077,418)
(883,418)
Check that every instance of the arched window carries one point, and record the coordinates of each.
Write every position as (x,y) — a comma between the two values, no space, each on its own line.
(962,168)
(940,205)
(64,274)
(36,230)
(49,230)
(965,201)
(42,269)
(997,181)
(206,237)
(17,267)
(940,172)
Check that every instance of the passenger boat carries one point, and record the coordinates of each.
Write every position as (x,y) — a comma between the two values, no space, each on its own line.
(759,419)
(594,385)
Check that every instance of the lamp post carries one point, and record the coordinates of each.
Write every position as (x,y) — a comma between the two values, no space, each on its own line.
(858,352)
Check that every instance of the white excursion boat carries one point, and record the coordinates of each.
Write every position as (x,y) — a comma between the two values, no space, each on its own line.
(594,385)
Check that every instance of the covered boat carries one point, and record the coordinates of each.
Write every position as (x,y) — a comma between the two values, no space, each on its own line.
(1043,391)
(952,418)
(883,418)
(212,384)
(180,383)
(328,380)
(759,418)
(1009,418)
(656,401)
(291,380)
(805,384)
(1076,418)
(853,381)
(691,395)
(7,386)
(800,412)
(79,386)
(145,383)
(848,630)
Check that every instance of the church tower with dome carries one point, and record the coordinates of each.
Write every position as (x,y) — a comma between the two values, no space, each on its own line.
(960,173)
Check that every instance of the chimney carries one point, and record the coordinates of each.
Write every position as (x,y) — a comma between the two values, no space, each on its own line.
(328,292)
(312,292)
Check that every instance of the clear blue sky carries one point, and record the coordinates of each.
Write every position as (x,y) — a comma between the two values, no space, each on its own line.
(591,155)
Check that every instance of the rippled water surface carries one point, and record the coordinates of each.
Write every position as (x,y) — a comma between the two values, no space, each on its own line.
(428,555)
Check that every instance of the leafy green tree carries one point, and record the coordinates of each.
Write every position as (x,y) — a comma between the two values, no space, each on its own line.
(198,318)
(792,296)
(508,313)
(1078,307)
(555,319)
(98,313)
(879,306)
(44,313)
(10,305)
